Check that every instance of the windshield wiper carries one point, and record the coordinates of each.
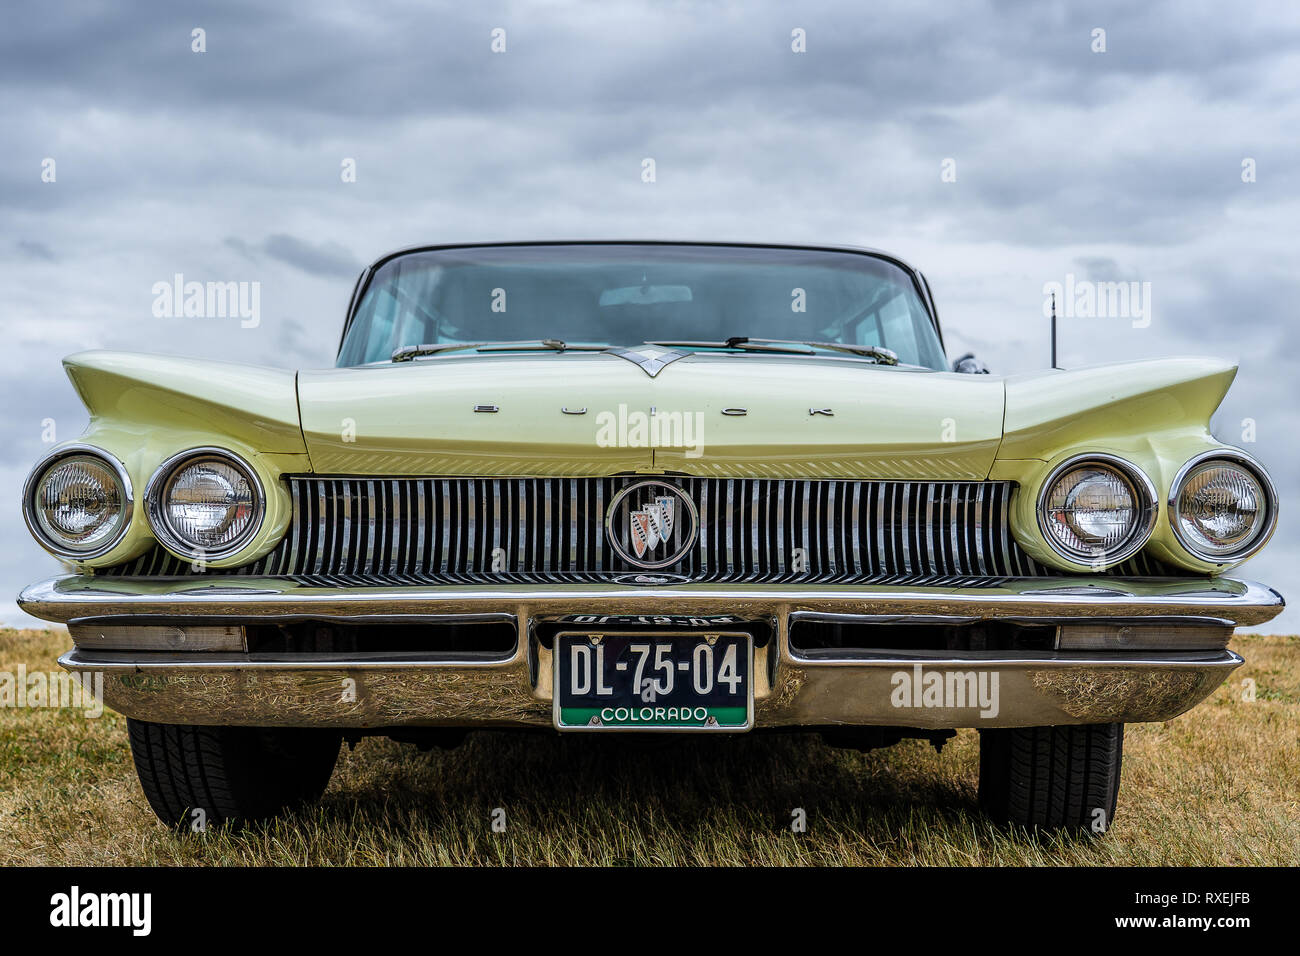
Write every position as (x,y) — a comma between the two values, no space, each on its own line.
(408,352)
(882,355)
(743,343)
(556,345)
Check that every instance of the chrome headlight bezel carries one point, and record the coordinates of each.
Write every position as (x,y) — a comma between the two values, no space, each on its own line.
(43,468)
(1247,463)
(155,504)
(1145,501)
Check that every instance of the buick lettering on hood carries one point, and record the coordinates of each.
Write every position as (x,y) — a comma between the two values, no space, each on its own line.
(645,488)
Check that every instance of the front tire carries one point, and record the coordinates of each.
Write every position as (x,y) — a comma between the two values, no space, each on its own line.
(1052,778)
(195,776)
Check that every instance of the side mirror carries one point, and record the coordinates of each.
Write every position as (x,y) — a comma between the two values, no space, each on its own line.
(969,364)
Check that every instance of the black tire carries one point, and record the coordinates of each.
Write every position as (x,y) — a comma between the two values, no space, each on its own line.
(233,775)
(1052,778)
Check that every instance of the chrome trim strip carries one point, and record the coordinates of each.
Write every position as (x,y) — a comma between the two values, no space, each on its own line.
(780,531)
(81,597)
(571,527)
(198,661)
(318,524)
(707,520)
(730,567)
(343,540)
(805,529)
(445,500)
(420,526)
(1019,659)
(546,524)
(368,510)
(596,519)
(855,528)
(839,617)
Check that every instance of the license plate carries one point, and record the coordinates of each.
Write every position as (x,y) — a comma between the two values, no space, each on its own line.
(653,681)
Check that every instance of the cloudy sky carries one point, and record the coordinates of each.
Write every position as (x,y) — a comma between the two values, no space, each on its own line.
(225,165)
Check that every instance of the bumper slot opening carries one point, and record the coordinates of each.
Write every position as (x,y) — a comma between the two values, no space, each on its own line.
(476,640)
(826,636)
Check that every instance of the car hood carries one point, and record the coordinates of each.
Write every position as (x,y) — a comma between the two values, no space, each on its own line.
(580,413)
(589,413)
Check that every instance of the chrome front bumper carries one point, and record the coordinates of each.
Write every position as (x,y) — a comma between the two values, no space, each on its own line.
(375,690)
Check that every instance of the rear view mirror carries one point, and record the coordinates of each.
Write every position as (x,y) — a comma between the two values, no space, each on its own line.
(646,295)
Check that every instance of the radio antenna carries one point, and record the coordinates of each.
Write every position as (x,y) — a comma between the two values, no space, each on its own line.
(1054,330)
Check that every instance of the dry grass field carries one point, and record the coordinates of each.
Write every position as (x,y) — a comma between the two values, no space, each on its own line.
(1216,786)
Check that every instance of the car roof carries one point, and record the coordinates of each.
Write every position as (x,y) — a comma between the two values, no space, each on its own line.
(814,247)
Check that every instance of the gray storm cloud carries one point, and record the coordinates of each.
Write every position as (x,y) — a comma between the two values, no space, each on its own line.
(226,165)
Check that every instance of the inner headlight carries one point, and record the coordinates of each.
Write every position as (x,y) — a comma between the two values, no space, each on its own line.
(1097,508)
(1222,509)
(204,503)
(78,503)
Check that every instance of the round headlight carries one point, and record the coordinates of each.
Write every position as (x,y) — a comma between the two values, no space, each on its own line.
(78,502)
(204,503)
(1222,509)
(1097,508)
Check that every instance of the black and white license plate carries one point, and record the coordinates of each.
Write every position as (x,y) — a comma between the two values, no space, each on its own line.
(654,681)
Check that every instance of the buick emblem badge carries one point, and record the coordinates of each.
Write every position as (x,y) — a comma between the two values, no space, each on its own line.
(652,524)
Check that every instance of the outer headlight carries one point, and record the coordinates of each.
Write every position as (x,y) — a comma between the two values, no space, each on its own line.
(1222,506)
(205,502)
(77,502)
(1097,507)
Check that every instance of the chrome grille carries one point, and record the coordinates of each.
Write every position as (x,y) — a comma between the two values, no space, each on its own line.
(499,530)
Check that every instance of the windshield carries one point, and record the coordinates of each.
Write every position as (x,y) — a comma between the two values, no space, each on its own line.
(627,294)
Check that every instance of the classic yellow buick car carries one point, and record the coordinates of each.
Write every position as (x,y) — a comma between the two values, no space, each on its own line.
(643,487)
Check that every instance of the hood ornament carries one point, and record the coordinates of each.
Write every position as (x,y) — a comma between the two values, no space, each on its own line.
(652,359)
